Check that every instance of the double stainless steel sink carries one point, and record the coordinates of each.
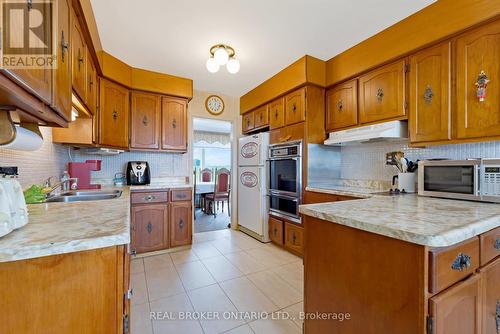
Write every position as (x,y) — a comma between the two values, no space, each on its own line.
(79,196)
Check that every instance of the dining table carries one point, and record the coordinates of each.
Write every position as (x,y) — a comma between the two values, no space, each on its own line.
(204,187)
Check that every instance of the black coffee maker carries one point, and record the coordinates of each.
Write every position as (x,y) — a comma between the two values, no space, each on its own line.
(138,173)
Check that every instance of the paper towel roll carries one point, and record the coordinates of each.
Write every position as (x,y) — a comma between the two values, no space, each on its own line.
(25,140)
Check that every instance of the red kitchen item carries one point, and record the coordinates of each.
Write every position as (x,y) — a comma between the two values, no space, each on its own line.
(81,170)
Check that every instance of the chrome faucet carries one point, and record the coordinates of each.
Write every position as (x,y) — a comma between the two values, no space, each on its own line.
(63,185)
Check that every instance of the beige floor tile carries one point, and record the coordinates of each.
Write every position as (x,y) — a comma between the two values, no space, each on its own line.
(274,326)
(184,256)
(174,307)
(205,250)
(244,262)
(225,246)
(136,266)
(295,313)
(157,261)
(275,288)
(246,296)
(266,257)
(194,275)
(245,242)
(293,274)
(163,282)
(286,256)
(245,329)
(140,291)
(213,299)
(221,269)
(139,319)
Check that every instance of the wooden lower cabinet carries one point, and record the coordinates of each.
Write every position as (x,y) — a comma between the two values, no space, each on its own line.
(81,292)
(180,223)
(490,285)
(149,227)
(276,231)
(294,240)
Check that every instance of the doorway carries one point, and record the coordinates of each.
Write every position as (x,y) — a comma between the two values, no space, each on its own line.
(212,147)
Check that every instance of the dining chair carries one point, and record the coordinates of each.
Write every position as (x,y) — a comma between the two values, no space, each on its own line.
(206,175)
(222,191)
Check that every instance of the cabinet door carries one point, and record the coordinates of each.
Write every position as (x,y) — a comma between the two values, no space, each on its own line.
(478,52)
(149,227)
(295,106)
(62,75)
(174,124)
(78,59)
(490,276)
(180,224)
(276,231)
(382,93)
(277,113)
(145,121)
(430,83)
(248,122)
(261,117)
(457,310)
(294,238)
(113,115)
(91,86)
(342,106)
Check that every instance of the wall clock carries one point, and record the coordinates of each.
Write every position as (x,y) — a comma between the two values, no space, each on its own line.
(214,105)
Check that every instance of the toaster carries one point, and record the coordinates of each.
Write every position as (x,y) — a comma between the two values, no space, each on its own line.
(138,173)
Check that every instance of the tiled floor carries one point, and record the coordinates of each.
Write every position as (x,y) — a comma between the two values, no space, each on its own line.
(224,273)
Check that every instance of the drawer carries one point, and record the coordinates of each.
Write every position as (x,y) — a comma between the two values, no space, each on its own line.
(294,238)
(490,245)
(149,197)
(287,133)
(449,265)
(180,195)
(276,231)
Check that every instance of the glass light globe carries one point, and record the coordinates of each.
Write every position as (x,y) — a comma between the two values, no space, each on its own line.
(233,66)
(221,56)
(212,65)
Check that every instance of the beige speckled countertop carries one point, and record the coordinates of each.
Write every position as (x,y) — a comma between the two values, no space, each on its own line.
(425,221)
(58,228)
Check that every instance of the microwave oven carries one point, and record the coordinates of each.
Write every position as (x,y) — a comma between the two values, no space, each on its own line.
(474,179)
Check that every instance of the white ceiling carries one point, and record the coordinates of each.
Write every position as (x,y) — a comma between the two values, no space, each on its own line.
(211,125)
(174,36)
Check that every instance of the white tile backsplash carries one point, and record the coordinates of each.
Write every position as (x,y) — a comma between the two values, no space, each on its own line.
(367,161)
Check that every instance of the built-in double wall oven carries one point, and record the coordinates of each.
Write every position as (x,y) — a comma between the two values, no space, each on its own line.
(285,179)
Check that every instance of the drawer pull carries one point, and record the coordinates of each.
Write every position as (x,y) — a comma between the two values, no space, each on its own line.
(149,198)
(497,244)
(181,195)
(461,262)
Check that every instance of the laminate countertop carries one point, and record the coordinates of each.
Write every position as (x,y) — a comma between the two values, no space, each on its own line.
(58,228)
(425,221)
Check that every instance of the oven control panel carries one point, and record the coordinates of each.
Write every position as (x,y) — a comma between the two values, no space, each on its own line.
(284,151)
(491,181)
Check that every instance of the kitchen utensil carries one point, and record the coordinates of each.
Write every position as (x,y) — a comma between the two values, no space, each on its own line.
(404,165)
(393,159)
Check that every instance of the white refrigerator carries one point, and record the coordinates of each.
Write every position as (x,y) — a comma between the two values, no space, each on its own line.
(253,204)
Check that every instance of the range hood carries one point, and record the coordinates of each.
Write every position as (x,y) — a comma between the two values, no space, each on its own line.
(101,151)
(388,131)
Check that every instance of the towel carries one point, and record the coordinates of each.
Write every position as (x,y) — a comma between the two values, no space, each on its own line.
(5,214)
(18,204)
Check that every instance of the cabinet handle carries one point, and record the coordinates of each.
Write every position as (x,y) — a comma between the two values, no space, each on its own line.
(80,59)
(145,121)
(276,114)
(261,117)
(114,114)
(340,106)
(150,227)
(481,83)
(181,196)
(497,317)
(29,3)
(149,198)
(275,231)
(64,46)
(380,94)
(294,108)
(294,237)
(181,223)
(497,244)
(461,263)
(428,94)
(174,123)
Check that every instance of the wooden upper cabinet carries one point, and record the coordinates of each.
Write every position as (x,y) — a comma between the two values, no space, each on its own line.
(430,89)
(382,93)
(174,124)
(61,92)
(490,276)
(113,114)
(342,106)
(295,106)
(277,113)
(457,310)
(91,86)
(261,117)
(248,122)
(478,52)
(78,59)
(145,121)
(180,223)
(149,227)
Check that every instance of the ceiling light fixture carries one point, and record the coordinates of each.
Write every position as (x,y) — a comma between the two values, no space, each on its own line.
(220,55)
